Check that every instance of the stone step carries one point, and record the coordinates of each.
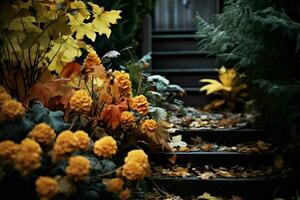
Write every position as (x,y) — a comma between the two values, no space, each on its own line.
(174,42)
(250,188)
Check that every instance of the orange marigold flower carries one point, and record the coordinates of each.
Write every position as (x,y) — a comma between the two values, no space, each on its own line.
(66,142)
(13,109)
(83,140)
(28,156)
(127,120)
(42,133)
(105,147)
(78,168)
(90,62)
(125,194)
(136,165)
(140,104)
(81,102)
(122,80)
(46,187)
(114,184)
(8,150)
(133,171)
(149,127)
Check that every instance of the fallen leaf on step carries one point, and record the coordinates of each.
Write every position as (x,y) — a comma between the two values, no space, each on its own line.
(207,176)
(278,162)
(207,196)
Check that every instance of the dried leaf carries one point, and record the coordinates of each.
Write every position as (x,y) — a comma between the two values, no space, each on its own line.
(173,159)
(207,175)
(278,162)
(111,114)
(69,69)
(50,90)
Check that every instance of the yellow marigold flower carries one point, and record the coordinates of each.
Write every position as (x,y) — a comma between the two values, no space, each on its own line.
(46,187)
(127,120)
(42,133)
(66,142)
(13,109)
(140,104)
(78,168)
(90,62)
(8,150)
(122,79)
(136,165)
(114,184)
(149,127)
(81,102)
(125,194)
(105,147)
(133,171)
(83,140)
(28,156)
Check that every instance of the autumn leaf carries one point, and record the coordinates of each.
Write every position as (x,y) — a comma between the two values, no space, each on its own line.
(103,19)
(213,86)
(82,29)
(69,69)
(207,196)
(111,114)
(51,89)
(278,162)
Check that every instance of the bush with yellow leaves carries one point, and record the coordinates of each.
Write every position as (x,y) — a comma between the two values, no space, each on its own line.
(105,147)
(46,187)
(229,87)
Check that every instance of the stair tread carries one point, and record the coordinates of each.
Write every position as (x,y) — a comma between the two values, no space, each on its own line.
(188,31)
(255,179)
(214,153)
(173,36)
(186,71)
(179,53)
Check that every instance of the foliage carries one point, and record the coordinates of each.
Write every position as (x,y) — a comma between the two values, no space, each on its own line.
(127,33)
(260,40)
(37,36)
(229,88)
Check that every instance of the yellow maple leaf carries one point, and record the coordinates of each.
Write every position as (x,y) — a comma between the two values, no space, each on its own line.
(103,19)
(80,8)
(81,29)
(213,86)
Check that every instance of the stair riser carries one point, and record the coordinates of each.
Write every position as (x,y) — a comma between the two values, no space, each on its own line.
(183,62)
(196,99)
(187,80)
(174,45)
(217,160)
(251,190)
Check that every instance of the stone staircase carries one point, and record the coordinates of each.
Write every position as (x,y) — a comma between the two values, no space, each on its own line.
(280,183)
(176,56)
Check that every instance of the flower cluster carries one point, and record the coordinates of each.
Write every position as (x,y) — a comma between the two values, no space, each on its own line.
(46,187)
(122,80)
(28,156)
(125,194)
(81,102)
(105,147)
(136,165)
(66,142)
(114,184)
(149,127)
(127,120)
(12,110)
(42,133)
(8,150)
(140,104)
(78,168)
(90,62)
(83,140)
